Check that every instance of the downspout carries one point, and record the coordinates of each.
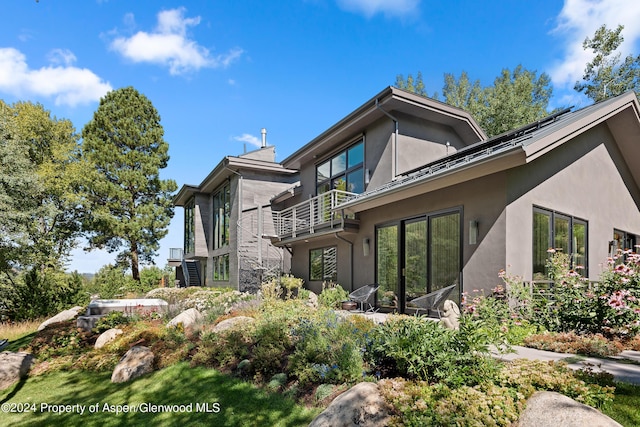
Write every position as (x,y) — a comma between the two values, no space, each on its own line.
(350,259)
(394,142)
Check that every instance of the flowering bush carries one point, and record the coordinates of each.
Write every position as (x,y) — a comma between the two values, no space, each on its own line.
(504,315)
(610,306)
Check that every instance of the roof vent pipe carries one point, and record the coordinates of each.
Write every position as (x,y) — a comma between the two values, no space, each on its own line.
(264,137)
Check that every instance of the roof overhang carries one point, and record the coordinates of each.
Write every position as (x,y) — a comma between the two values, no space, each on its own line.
(390,100)
(621,115)
(228,166)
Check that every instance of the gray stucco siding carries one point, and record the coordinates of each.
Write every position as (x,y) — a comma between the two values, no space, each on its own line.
(586,178)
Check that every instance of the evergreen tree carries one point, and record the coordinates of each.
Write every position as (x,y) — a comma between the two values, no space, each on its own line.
(130,206)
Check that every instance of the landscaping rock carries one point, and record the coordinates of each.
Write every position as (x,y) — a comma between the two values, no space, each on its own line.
(362,405)
(61,317)
(187,318)
(106,337)
(550,409)
(232,323)
(136,362)
(13,367)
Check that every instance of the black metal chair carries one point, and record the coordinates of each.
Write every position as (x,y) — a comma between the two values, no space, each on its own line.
(431,301)
(362,295)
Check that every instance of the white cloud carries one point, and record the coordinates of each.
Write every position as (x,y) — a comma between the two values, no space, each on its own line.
(246,137)
(387,7)
(578,20)
(169,45)
(66,84)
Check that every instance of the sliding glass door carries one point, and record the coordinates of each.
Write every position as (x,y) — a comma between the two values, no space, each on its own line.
(418,256)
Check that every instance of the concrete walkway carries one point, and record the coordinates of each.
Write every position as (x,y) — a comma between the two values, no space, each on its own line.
(625,367)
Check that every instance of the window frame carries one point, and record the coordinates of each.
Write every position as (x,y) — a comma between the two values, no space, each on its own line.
(220,268)
(552,239)
(189,226)
(328,183)
(221,198)
(323,256)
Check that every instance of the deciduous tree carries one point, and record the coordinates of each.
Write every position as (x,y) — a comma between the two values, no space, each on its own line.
(18,186)
(606,74)
(130,205)
(516,98)
(53,149)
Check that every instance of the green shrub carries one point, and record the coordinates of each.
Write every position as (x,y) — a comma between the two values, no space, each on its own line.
(418,348)
(328,349)
(609,307)
(332,295)
(111,320)
(421,403)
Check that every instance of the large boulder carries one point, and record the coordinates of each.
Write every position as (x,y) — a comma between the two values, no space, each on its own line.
(13,367)
(63,316)
(106,337)
(362,405)
(187,319)
(231,323)
(550,409)
(136,362)
(312,301)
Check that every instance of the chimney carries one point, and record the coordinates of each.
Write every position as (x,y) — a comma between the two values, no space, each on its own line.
(264,137)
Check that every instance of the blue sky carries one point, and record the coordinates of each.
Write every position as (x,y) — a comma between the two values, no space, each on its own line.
(219,71)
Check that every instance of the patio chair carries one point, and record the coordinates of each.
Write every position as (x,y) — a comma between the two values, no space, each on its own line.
(431,301)
(362,295)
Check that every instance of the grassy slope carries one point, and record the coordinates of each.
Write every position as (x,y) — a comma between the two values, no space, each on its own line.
(241,404)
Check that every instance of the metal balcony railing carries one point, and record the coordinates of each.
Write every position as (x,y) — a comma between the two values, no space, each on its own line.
(306,217)
(175,253)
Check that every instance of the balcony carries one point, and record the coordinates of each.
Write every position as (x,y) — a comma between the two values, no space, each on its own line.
(314,216)
(175,257)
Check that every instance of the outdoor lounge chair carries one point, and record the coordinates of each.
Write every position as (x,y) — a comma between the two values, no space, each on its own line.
(362,295)
(431,301)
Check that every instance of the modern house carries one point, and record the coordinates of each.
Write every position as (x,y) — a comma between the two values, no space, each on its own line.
(225,219)
(408,192)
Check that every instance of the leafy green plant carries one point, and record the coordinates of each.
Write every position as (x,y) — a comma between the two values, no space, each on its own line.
(111,320)
(417,348)
(328,349)
(332,295)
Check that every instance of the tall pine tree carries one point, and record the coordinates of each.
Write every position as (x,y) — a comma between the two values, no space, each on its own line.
(129,205)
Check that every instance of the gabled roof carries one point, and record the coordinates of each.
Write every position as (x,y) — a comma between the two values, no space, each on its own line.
(514,148)
(228,166)
(390,100)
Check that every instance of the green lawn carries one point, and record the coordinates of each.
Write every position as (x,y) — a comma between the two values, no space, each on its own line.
(239,403)
(625,408)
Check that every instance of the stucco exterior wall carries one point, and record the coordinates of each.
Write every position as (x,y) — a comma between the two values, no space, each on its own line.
(481,200)
(202,222)
(586,178)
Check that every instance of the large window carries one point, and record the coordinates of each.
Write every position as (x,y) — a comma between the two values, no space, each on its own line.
(344,171)
(189,227)
(221,208)
(561,233)
(417,256)
(323,264)
(221,267)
